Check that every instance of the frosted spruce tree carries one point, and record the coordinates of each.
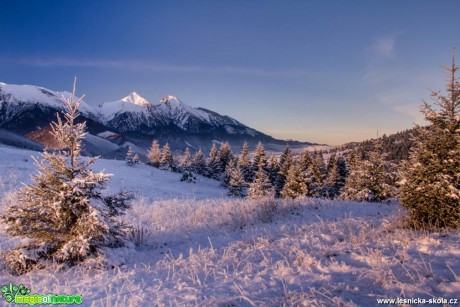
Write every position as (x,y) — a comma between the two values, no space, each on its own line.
(186,167)
(237,185)
(371,179)
(430,189)
(245,163)
(260,159)
(198,163)
(131,157)
(295,185)
(214,166)
(225,155)
(285,163)
(261,186)
(166,159)
(63,213)
(154,154)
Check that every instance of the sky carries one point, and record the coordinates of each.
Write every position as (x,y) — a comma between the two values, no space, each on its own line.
(328,72)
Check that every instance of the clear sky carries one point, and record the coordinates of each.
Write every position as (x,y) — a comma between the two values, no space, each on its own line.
(322,71)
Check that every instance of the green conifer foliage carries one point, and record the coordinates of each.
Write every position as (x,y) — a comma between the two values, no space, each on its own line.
(430,189)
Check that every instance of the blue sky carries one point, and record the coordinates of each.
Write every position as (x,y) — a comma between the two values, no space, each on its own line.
(322,71)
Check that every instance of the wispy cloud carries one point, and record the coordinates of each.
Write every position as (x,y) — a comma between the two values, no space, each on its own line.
(156,67)
(384,46)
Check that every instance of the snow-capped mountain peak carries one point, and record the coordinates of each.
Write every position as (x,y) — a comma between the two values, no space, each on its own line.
(136,99)
(170,98)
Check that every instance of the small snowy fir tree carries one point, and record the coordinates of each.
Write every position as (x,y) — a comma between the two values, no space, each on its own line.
(305,160)
(272,169)
(130,156)
(370,179)
(316,175)
(63,213)
(229,171)
(237,185)
(136,159)
(214,166)
(154,154)
(295,185)
(225,154)
(166,158)
(261,186)
(245,163)
(186,161)
(186,167)
(260,159)
(198,163)
(336,175)
(430,189)
(284,166)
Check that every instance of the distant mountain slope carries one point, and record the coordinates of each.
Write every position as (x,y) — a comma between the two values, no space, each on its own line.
(28,109)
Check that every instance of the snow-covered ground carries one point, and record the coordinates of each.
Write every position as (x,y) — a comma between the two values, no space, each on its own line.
(198,248)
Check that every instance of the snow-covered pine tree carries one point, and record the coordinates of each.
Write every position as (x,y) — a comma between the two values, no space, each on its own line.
(136,159)
(166,158)
(225,155)
(285,163)
(237,185)
(272,169)
(316,175)
(260,159)
(186,167)
(214,166)
(336,176)
(154,154)
(228,172)
(370,179)
(295,185)
(305,160)
(199,163)
(245,163)
(186,161)
(430,189)
(261,186)
(129,156)
(63,213)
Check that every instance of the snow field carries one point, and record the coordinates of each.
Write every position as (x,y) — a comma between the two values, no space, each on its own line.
(195,247)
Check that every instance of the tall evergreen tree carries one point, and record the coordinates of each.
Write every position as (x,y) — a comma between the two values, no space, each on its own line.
(225,154)
(259,160)
(214,165)
(272,169)
(371,179)
(237,185)
(285,163)
(129,156)
(305,160)
(63,213)
(166,158)
(245,163)
(261,186)
(430,189)
(154,154)
(186,161)
(199,163)
(336,176)
(316,175)
(295,185)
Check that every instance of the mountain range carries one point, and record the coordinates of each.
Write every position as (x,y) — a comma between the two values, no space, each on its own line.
(26,112)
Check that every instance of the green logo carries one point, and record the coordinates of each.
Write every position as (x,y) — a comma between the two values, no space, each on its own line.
(21,295)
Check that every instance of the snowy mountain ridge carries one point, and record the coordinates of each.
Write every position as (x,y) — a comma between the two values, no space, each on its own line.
(28,109)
